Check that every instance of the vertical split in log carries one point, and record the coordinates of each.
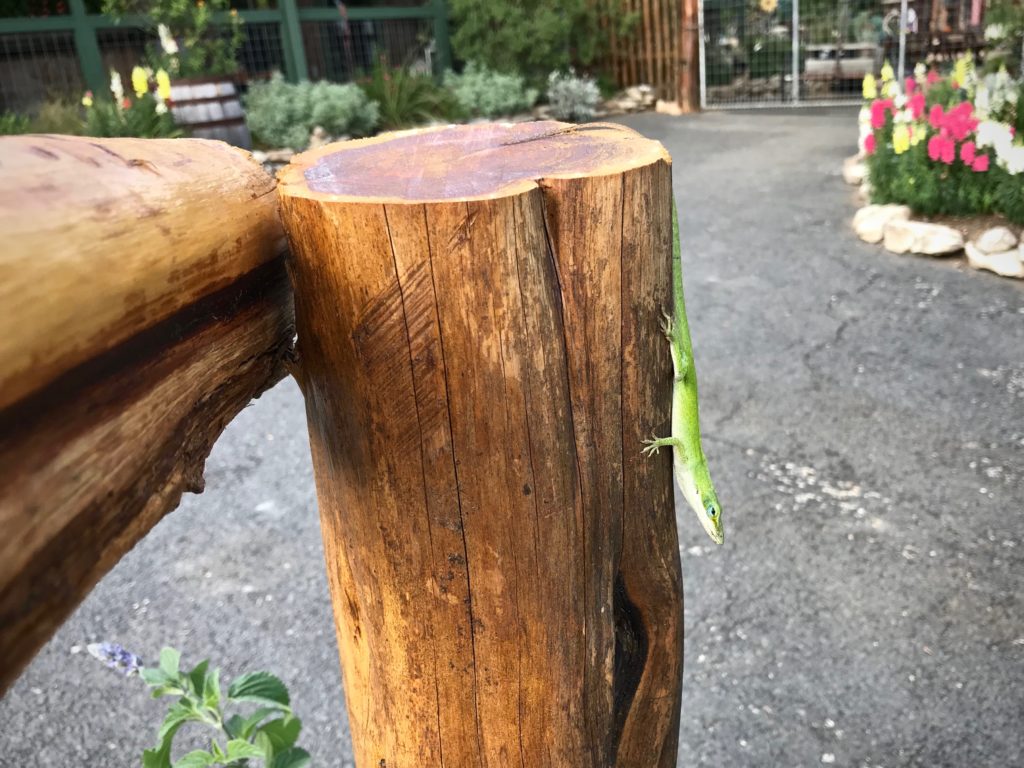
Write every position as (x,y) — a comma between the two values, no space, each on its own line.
(478,312)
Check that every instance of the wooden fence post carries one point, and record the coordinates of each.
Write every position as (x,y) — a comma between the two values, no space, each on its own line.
(478,314)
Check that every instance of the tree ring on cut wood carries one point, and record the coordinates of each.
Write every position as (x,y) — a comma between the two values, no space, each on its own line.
(478,311)
(465,162)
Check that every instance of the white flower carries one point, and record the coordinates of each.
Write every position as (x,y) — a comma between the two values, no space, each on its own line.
(993,134)
(920,72)
(982,104)
(116,87)
(995,32)
(1012,159)
(900,100)
(161,108)
(167,41)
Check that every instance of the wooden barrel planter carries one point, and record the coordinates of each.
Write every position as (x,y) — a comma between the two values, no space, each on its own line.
(210,108)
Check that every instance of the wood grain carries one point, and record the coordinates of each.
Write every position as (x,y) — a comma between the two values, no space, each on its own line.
(480,360)
(138,321)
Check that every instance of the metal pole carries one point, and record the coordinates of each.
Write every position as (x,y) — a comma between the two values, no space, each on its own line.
(901,69)
(796,52)
(700,47)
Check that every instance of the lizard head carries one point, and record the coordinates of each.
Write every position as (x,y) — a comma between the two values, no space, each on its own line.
(700,495)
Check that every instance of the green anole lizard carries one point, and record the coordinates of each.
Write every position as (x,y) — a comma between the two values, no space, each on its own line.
(689,465)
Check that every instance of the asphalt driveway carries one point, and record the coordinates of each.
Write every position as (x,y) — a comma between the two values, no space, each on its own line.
(864,420)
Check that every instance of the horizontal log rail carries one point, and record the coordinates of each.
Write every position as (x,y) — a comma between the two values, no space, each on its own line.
(145,303)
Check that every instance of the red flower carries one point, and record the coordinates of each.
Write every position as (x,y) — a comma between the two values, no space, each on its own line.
(933,77)
(980,164)
(916,104)
(126,103)
(869,143)
(911,84)
(936,117)
(934,148)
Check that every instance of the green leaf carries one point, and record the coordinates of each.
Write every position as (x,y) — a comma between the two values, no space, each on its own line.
(177,715)
(196,759)
(153,677)
(197,677)
(169,661)
(239,749)
(234,726)
(281,733)
(160,757)
(211,690)
(246,725)
(260,687)
(291,758)
(166,690)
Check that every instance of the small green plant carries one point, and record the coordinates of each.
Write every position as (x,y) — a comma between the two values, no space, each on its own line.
(145,117)
(190,44)
(267,733)
(12,124)
(482,92)
(406,99)
(282,114)
(571,97)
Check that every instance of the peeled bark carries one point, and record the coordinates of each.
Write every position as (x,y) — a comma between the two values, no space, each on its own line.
(478,313)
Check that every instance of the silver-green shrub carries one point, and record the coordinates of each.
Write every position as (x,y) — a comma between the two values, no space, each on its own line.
(282,114)
(571,97)
(482,92)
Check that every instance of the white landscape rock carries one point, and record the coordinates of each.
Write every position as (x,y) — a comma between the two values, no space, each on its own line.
(996,240)
(869,222)
(668,108)
(922,237)
(854,171)
(1006,263)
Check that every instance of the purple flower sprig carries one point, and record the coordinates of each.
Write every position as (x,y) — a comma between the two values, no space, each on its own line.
(117,657)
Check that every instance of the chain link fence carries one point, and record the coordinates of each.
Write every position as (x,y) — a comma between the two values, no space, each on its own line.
(765,53)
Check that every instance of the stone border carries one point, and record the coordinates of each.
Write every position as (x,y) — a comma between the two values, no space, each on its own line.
(997,249)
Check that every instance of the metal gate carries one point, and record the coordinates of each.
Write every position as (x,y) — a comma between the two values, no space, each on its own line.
(769,53)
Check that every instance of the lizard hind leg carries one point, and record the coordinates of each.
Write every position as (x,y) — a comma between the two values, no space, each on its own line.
(655,443)
(666,324)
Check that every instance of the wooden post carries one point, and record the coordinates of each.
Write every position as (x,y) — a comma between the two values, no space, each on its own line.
(478,312)
(689,69)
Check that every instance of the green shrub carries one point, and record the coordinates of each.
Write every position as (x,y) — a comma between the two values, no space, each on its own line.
(406,99)
(143,117)
(571,97)
(482,92)
(12,124)
(535,37)
(282,114)
(769,57)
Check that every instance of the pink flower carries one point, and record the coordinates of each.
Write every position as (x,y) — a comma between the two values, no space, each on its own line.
(916,104)
(980,164)
(933,77)
(126,103)
(911,84)
(869,143)
(936,116)
(942,148)
(954,83)
(960,121)
(948,151)
(878,110)
(967,152)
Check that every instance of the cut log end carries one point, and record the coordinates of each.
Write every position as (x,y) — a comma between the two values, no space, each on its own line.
(465,162)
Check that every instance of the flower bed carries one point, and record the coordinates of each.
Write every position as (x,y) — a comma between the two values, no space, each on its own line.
(946,145)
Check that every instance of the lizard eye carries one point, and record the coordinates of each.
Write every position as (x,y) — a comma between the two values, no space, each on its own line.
(712,512)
